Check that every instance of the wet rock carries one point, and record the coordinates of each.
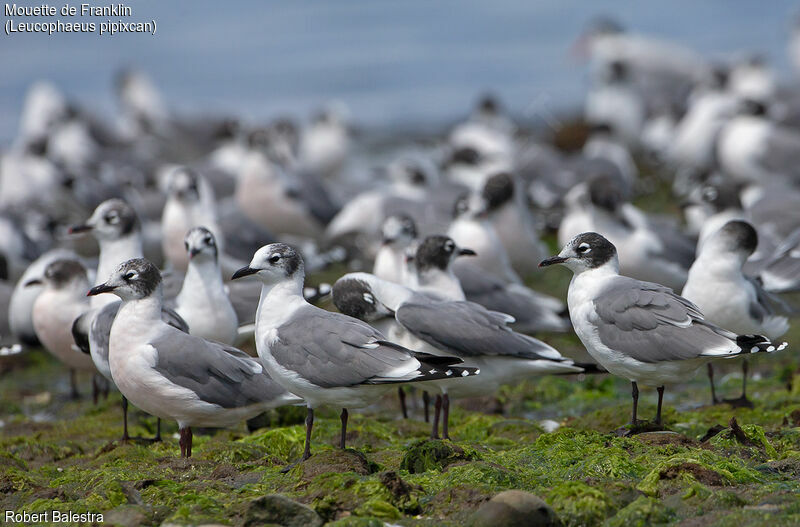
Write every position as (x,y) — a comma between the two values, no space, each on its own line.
(279,510)
(126,515)
(405,496)
(514,508)
(432,455)
(337,461)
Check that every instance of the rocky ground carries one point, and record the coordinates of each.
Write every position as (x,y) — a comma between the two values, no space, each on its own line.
(717,465)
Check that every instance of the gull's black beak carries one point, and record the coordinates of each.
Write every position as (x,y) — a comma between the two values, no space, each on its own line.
(32,282)
(99,289)
(244,271)
(194,251)
(387,241)
(75,229)
(552,261)
(467,252)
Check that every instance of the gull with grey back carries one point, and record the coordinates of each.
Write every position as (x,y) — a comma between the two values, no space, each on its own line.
(174,375)
(641,331)
(327,358)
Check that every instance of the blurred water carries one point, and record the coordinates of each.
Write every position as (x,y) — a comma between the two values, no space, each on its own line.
(411,62)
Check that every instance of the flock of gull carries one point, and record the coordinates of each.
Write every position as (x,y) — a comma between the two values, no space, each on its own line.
(205,229)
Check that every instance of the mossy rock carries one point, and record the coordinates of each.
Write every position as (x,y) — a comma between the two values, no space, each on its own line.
(280,510)
(334,461)
(433,454)
(643,512)
(514,508)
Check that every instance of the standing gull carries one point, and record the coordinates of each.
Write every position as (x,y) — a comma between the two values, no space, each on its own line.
(203,302)
(641,331)
(728,298)
(464,329)
(327,358)
(62,299)
(173,375)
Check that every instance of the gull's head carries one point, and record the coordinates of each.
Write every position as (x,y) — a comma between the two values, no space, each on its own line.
(498,191)
(354,296)
(200,245)
(131,280)
(737,237)
(398,230)
(111,220)
(274,263)
(62,273)
(438,252)
(184,185)
(584,252)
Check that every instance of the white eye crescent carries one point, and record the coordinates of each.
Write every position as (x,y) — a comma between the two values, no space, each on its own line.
(584,248)
(368,298)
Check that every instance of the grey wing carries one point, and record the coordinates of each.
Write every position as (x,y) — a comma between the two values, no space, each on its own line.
(171,317)
(767,304)
(81,327)
(333,350)
(650,323)
(101,329)
(316,197)
(468,329)
(218,374)
(531,311)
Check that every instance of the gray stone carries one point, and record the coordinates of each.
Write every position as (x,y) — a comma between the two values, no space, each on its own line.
(282,511)
(514,508)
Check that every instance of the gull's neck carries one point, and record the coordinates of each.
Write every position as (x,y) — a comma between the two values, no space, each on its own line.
(278,301)
(141,310)
(203,281)
(441,282)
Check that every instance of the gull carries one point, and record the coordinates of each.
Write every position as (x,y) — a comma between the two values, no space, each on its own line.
(116,227)
(512,221)
(61,301)
(641,331)
(398,232)
(173,375)
(727,297)
(327,358)
(471,228)
(463,329)
(190,203)
(203,301)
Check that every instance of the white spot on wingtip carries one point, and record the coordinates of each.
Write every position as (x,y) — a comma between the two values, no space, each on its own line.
(783,346)
(770,349)
(478,371)
(754,349)
(464,373)
(448,372)
(432,372)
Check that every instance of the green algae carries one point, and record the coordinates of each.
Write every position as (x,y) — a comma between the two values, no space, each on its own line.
(577,503)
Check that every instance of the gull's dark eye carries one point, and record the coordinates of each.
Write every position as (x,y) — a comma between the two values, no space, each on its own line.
(449,246)
(274,258)
(208,240)
(583,248)
(129,275)
(112,218)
